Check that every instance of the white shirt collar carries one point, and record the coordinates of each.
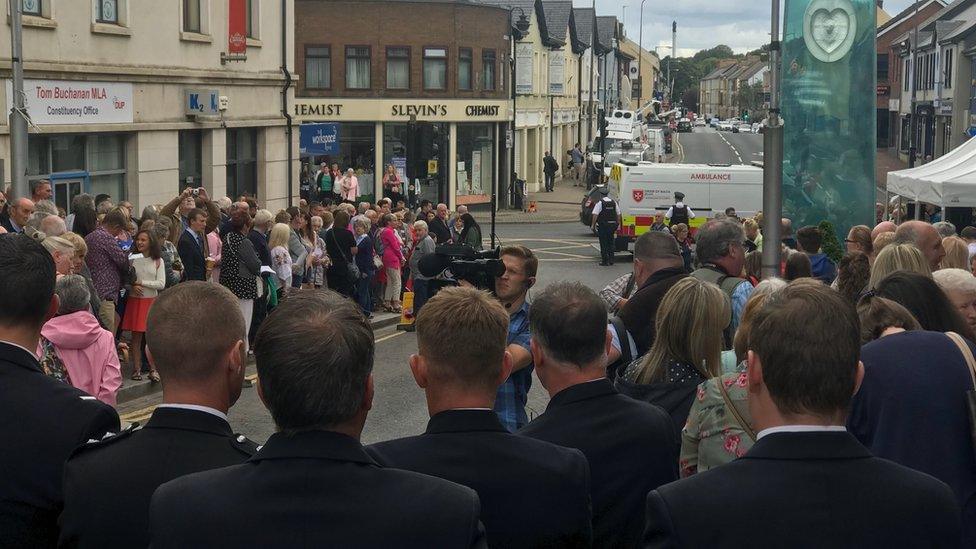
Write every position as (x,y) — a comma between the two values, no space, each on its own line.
(802,429)
(206,409)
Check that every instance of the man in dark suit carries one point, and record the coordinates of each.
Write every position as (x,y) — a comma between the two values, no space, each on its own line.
(313,484)
(193,246)
(631,446)
(19,210)
(202,365)
(533,494)
(438,226)
(41,419)
(806,482)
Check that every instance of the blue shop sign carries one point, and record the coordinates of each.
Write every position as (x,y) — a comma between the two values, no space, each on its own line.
(318,139)
(201,102)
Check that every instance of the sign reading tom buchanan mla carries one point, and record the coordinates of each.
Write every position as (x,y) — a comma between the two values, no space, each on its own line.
(52,102)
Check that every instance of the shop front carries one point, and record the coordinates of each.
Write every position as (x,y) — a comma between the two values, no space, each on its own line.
(446,150)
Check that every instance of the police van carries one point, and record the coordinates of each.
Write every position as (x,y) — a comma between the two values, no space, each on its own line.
(644,189)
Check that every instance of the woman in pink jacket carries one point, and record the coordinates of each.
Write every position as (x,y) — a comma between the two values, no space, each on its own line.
(392,263)
(349,187)
(75,349)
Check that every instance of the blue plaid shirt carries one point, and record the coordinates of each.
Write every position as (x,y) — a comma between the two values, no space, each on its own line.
(512,395)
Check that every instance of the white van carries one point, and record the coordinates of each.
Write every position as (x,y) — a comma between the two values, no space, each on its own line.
(644,189)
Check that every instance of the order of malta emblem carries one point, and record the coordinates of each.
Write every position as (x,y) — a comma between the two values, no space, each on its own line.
(638,195)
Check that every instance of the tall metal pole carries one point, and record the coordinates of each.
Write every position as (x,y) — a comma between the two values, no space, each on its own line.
(512,178)
(674,51)
(773,163)
(18,112)
(913,116)
(640,57)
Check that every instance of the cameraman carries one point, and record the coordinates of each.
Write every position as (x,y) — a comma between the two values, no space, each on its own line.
(511,288)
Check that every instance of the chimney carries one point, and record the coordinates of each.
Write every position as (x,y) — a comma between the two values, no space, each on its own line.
(880,4)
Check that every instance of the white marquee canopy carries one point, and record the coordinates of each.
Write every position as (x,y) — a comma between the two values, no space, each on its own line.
(948,181)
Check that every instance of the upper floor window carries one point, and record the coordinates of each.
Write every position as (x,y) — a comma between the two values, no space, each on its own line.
(464,68)
(357,67)
(882,66)
(318,67)
(488,68)
(435,69)
(249,18)
(398,68)
(191,16)
(947,73)
(32,7)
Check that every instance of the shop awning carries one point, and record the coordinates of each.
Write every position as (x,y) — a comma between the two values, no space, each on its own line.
(948,181)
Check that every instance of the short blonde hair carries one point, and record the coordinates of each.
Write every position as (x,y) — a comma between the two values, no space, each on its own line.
(881,242)
(690,323)
(280,234)
(898,257)
(956,253)
(81,248)
(463,350)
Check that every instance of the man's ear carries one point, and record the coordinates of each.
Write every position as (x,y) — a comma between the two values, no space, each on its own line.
(858,376)
(236,357)
(367,404)
(507,365)
(538,357)
(52,307)
(609,344)
(754,373)
(418,367)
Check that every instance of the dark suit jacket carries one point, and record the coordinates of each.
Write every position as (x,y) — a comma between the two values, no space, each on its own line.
(260,243)
(313,489)
(5,222)
(41,422)
(191,253)
(439,230)
(533,494)
(804,490)
(631,446)
(121,473)
(641,309)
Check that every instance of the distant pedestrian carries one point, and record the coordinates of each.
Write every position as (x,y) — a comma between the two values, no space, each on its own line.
(550,167)
(679,213)
(605,220)
(579,164)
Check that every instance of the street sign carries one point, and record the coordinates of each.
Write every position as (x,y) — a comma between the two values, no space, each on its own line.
(971,132)
(318,139)
(201,102)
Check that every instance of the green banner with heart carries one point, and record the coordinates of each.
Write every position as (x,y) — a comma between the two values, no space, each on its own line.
(828,106)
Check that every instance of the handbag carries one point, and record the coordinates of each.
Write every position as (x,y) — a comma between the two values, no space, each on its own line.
(736,415)
(967,354)
(351,268)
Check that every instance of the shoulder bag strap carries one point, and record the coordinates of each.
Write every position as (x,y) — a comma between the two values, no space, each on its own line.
(341,251)
(735,411)
(967,353)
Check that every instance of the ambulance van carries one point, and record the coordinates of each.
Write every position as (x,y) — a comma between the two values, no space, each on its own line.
(644,189)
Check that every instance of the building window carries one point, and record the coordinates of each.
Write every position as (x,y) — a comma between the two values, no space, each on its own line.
(398,68)
(488,70)
(101,155)
(464,68)
(908,70)
(32,7)
(318,67)
(947,74)
(191,16)
(249,19)
(107,11)
(435,69)
(242,162)
(882,66)
(191,159)
(476,150)
(357,67)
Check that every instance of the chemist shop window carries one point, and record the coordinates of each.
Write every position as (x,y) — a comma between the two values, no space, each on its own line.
(475,161)
(101,155)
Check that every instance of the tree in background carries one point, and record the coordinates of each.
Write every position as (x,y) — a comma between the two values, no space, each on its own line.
(749,98)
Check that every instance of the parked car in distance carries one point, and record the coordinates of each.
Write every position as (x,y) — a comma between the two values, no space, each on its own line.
(700,123)
(745,127)
(714,122)
(725,126)
(684,125)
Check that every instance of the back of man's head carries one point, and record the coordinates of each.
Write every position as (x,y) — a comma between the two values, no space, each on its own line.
(569,321)
(807,338)
(53,225)
(809,239)
(26,281)
(714,238)
(314,355)
(657,245)
(190,330)
(911,232)
(461,333)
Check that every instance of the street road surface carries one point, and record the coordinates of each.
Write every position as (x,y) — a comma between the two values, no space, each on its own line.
(710,146)
(566,252)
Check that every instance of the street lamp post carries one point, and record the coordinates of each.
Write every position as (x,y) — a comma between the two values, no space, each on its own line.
(913,122)
(773,161)
(519,29)
(640,57)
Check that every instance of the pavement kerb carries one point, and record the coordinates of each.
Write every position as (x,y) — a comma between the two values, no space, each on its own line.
(132,390)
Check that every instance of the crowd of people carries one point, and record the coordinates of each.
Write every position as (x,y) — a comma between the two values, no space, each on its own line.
(369,252)
(830,406)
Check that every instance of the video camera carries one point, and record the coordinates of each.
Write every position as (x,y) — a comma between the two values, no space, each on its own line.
(462,262)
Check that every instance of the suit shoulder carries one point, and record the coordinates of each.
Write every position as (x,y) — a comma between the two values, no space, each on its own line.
(93,446)
(244,445)
(923,489)
(384,451)
(450,493)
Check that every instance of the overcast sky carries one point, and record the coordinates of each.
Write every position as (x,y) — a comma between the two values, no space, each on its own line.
(741,24)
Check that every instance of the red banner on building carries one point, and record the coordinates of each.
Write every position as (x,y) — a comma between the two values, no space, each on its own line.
(237,26)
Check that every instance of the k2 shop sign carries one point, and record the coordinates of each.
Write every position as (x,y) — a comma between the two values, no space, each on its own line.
(51,102)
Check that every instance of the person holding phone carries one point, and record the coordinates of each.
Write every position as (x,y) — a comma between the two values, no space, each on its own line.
(150,279)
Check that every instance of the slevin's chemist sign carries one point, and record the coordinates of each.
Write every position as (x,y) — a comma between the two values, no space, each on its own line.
(61,102)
